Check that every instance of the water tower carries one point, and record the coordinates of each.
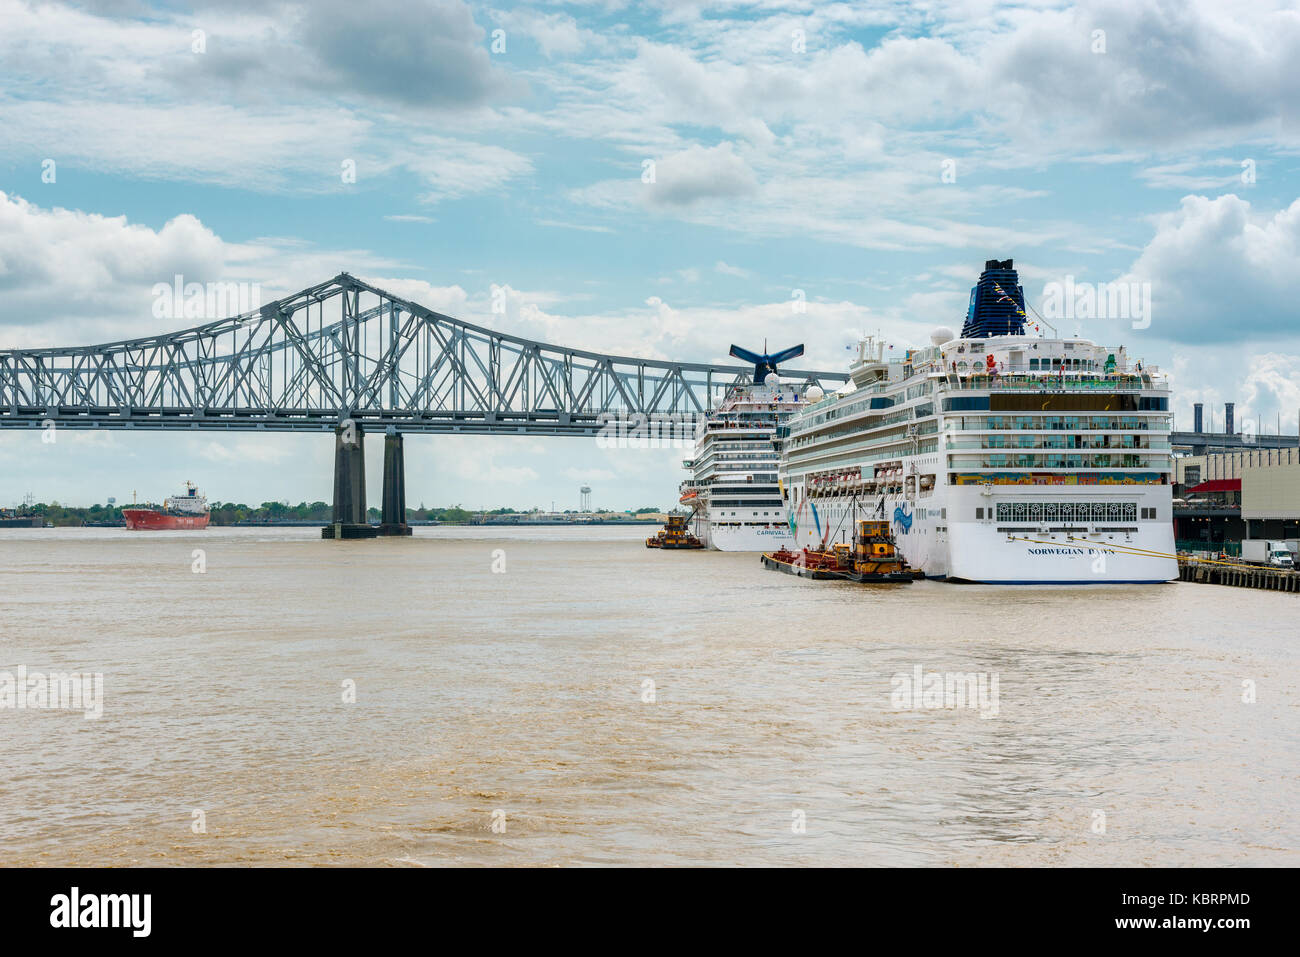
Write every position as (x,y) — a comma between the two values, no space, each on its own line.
(585,500)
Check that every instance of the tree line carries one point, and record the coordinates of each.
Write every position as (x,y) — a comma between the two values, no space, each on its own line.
(234,513)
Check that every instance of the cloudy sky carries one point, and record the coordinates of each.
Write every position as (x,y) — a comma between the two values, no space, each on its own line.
(873,155)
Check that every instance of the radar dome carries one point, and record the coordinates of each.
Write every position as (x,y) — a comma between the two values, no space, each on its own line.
(814,393)
(771,379)
(941,335)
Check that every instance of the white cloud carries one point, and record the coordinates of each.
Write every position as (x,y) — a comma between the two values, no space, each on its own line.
(454,168)
(1222,271)
(700,173)
(584,227)
(728,270)
(1192,175)
(243,451)
(74,278)
(129,97)
(556,34)
(425,54)
(1270,392)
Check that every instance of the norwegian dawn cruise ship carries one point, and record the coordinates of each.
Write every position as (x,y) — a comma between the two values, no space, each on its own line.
(733,489)
(998,456)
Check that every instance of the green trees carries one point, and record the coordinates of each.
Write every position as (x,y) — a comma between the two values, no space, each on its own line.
(234,513)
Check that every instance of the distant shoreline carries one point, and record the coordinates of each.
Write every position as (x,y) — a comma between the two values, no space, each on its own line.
(28,522)
(428,522)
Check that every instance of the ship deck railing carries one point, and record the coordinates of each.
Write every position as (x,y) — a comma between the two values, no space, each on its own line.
(958,445)
(1014,379)
(1052,381)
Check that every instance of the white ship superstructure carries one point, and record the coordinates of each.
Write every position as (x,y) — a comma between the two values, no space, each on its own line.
(998,456)
(191,503)
(733,487)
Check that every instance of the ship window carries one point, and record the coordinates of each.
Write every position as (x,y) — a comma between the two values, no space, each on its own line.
(964,403)
(979,513)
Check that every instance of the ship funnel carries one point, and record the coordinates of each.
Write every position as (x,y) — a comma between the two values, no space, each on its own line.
(765,364)
(997,303)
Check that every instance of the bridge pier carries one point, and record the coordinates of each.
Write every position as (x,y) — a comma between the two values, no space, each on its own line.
(393,517)
(349,518)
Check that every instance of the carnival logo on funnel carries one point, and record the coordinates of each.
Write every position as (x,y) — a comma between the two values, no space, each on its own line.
(902,519)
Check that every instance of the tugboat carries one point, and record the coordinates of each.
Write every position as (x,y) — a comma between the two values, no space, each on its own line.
(674,534)
(875,556)
(872,558)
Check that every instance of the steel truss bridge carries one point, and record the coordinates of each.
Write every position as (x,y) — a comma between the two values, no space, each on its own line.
(345,350)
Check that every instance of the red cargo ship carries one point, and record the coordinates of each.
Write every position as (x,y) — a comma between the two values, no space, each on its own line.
(179,511)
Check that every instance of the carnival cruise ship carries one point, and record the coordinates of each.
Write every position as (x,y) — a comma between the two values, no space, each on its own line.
(999,456)
(733,490)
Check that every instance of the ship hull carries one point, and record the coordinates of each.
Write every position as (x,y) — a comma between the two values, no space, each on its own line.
(148,519)
(747,538)
(941,536)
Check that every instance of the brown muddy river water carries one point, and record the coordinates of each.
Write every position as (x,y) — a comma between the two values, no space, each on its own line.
(596,703)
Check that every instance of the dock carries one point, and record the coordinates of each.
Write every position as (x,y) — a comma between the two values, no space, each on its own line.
(1238,575)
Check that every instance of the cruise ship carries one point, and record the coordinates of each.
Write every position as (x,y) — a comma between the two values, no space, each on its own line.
(998,456)
(733,490)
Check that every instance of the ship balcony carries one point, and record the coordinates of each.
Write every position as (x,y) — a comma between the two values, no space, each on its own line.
(1041,461)
(1053,443)
(1051,381)
(1001,423)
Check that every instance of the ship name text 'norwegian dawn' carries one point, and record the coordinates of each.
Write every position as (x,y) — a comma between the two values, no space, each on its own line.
(998,456)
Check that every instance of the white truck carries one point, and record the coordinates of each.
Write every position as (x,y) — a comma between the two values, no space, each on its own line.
(1260,551)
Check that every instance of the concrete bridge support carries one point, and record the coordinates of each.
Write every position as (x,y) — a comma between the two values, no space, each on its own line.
(349,518)
(393,518)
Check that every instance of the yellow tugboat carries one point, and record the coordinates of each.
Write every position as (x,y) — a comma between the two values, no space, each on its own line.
(875,557)
(674,534)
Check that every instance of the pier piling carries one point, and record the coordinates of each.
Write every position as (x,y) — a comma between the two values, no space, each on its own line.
(1238,575)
